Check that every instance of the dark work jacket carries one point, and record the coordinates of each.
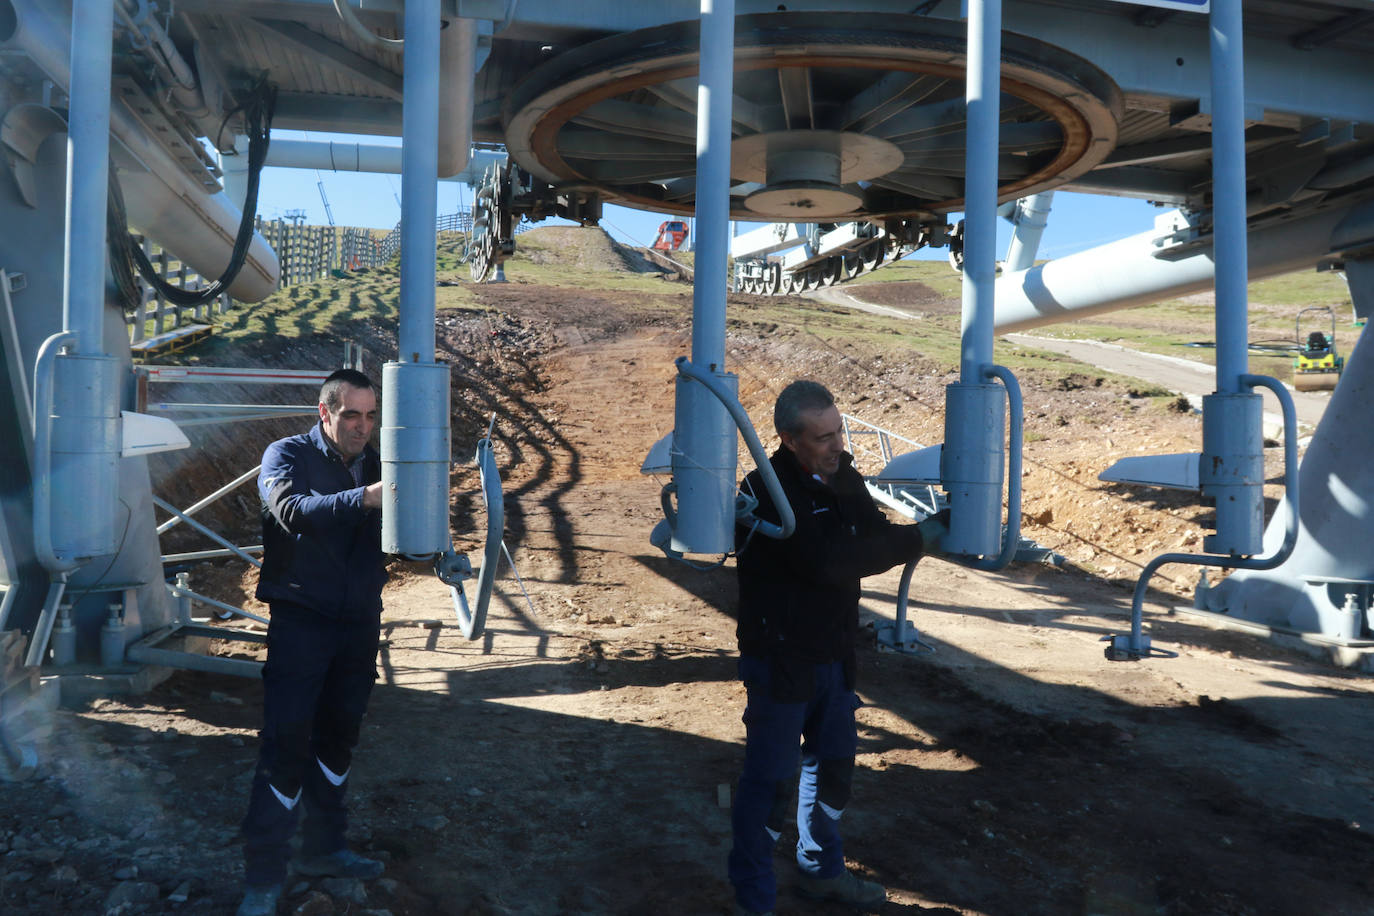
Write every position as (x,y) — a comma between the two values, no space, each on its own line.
(321,549)
(799,597)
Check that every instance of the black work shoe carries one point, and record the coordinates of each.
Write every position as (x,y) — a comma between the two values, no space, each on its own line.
(260,901)
(742,911)
(845,887)
(342,864)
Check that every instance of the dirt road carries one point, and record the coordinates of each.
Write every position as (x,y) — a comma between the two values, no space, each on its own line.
(1186,377)
(579,758)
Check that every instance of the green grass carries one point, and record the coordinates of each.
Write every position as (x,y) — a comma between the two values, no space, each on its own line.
(938,275)
(333,307)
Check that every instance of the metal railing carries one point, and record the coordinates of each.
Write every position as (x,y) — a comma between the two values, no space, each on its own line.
(872,445)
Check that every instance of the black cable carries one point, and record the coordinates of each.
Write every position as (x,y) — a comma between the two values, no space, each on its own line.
(257,116)
(118,243)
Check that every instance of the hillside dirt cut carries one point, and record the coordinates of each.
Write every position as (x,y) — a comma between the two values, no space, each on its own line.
(580,755)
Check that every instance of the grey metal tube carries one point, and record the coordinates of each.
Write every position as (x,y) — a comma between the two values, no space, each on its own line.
(205,531)
(1011,537)
(88,172)
(787,521)
(42,630)
(193,555)
(1128,272)
(193,509)
(1136,644)
(457,79)
(193,661)
(42,453)
(6,603)
(419,177)
(1032,215)
(472,621)
(366,35)
(983,100)
(181,592)
(370,157)
(1228,192)
(714,94)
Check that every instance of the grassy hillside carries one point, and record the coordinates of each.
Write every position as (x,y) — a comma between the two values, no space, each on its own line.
(588,260)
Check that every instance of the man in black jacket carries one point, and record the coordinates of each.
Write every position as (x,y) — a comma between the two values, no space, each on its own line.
(798,623)
(322,576)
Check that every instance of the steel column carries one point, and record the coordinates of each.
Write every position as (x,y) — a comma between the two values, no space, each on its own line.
(1232,443)
(971,461)
(88,172)
(76,463)
(714,95)
(704,443)
(419,180)
(415,403)
(1228,194)
(983,100)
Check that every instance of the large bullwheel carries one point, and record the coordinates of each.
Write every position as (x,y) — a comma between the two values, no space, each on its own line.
(860,117)
(493,223)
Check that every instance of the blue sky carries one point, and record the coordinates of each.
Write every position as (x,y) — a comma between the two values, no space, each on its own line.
(1076,221)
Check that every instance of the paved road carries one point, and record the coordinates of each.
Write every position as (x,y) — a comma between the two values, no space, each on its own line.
(1183,376)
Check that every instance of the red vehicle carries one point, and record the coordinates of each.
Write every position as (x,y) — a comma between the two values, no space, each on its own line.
(671,235)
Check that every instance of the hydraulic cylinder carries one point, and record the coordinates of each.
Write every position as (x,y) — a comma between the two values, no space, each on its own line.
(971,467)
(1231,471)
(415,458)
(86,434)
(705,452)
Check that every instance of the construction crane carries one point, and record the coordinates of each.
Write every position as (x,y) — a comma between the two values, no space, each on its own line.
(328,212)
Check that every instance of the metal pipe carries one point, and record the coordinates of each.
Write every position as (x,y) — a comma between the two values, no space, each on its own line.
(371,157)
(419,180)
(88,172)
(192,510)
(787,521)
(715,92)
(705,448)
(162,504)
(236,418)
(1136,645)
(983,101)
(42,453)
(194,555)
(366,35)
(265,409)
(182,592)
(457,81)
(42,630)
(1031,216)
(1142,270)
(6,603)
(1228,192)
(1011,537)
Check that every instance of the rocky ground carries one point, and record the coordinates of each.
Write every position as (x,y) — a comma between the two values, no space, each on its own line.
(579,757)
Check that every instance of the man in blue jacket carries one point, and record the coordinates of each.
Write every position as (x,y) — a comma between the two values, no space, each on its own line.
(322,576)
(798,624)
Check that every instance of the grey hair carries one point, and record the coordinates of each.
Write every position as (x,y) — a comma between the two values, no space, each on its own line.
(802,396)
(331,393)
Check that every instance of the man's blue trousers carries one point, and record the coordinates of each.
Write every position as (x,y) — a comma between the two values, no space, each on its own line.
(316,683)
(820,735)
